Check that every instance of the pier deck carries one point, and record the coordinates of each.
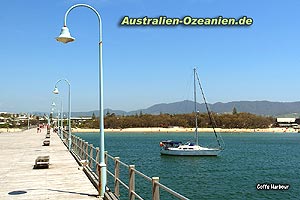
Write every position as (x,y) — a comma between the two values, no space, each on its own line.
(18,180)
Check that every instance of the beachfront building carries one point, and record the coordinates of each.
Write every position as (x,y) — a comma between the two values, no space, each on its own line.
(19,120)
(80,120)
(22,118)
(3,120)
(288,122)
(6,119)
(75,121)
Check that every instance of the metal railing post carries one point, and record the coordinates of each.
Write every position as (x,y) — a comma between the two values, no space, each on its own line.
(117,176)
(86,156)
(79,147)
(105,158)
(66,139)
(73,142)
(76,148)
(131,182)
(91,156)
(155,188)
(97,159)
(82,148)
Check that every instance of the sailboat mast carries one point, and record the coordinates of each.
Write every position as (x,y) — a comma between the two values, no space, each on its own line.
(195,102)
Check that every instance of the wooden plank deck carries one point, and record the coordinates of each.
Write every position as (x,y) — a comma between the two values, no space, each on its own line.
(18,179)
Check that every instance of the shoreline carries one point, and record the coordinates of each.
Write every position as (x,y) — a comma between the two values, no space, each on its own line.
(10,130)
(170,130)
(187,130)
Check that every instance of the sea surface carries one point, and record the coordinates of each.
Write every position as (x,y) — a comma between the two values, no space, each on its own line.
(248,159)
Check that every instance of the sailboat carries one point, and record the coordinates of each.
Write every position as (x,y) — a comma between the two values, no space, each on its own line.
(170,147)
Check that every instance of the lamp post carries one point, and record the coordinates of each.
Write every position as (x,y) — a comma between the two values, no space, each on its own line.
(55,91)
(28,121)
(61,120)
(57,115)
(52,111)
(66,37)
(51,117)
(60,117)
(51,114)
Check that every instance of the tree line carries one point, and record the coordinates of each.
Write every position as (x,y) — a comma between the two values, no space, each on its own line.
(234,120)
(12,121)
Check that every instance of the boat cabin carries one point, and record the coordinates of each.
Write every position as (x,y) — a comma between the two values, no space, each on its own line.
(170,143)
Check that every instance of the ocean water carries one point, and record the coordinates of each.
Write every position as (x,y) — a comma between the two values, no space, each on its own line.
(249,159)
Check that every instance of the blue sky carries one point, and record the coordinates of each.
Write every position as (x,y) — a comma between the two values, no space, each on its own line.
(147,65)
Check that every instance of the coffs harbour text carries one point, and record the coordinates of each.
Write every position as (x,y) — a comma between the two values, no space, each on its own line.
(272,186)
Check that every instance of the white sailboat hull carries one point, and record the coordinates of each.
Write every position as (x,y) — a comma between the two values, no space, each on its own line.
(169,147)
(195,151)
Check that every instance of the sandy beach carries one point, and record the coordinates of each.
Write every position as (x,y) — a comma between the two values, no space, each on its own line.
(10,130)
(170,130)
(181,129)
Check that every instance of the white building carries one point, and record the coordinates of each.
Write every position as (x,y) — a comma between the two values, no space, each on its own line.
(2,120)
(288,122)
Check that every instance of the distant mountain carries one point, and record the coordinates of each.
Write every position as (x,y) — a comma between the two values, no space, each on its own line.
(171,108)
(259,107)
(96,112)
(265,108)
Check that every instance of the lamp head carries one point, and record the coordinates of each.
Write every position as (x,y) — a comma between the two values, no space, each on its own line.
(65,36)
(55,91)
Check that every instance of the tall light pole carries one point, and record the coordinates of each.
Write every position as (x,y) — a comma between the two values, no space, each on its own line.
(57,115)
(55,91)
(61,119)
(28,121)
(66,37)
(52,111)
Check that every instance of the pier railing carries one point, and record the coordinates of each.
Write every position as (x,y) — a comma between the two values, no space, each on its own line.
(88,156)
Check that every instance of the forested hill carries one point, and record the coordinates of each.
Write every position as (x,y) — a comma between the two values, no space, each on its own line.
(265,108)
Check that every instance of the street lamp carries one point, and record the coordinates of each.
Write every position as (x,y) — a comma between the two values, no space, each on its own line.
(61,119)
(51,113)
(56,91)
(28,121)
(58,114)
(52,110)
(66,37)
(50,117)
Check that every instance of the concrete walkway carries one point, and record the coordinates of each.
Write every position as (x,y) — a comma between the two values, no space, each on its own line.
(18,179)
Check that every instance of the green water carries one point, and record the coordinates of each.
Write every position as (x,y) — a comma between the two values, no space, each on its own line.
(248,159)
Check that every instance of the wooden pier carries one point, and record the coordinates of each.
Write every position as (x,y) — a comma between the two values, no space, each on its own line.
(64,179)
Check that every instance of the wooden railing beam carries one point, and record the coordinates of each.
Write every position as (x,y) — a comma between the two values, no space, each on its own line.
(86,151)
